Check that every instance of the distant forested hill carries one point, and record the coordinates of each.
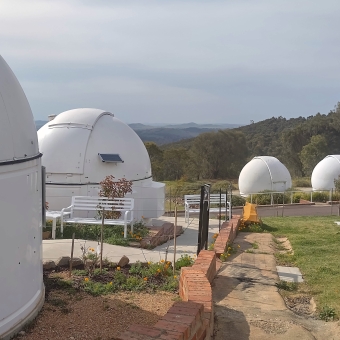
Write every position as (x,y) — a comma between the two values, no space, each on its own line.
(162,135)
(300,143)
(167,133)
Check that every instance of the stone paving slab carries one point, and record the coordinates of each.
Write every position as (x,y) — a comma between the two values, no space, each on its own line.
(289,274)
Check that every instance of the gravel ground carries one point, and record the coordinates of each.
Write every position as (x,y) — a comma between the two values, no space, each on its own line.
(81,316)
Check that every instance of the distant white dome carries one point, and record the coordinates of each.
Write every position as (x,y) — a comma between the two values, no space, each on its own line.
(82,146)
(264,173)
(21,280)
(325,172)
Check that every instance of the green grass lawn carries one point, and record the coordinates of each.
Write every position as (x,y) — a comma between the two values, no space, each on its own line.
(316,245)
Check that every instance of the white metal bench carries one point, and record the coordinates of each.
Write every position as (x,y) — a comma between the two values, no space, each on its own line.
(92,204)
(192,205)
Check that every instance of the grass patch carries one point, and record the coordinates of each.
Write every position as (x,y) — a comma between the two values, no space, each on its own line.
(288,286)
(315,241)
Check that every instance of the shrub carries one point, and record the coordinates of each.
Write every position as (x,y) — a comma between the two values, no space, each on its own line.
(184,261)
(302,182)
(237,200)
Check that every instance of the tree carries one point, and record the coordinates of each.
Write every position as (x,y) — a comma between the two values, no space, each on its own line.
(113,189)
(174,163)
(156,159)
(312,153)
(220,154)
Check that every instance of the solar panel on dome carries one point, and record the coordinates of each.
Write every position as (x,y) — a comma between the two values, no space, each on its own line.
(110,158)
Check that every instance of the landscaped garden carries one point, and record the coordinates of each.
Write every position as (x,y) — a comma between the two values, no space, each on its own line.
(101,304)
(316,252)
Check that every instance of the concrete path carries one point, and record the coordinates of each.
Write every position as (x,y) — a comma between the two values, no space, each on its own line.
(247,302)
(186,244)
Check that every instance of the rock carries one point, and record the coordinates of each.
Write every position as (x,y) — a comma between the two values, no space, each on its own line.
(49,265)
(123,261)
(22,333)
(63,261)
(76,261)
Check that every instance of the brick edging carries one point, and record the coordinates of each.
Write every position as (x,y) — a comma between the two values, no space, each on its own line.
(193,317)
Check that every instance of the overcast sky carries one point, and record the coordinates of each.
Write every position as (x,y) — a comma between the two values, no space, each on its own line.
(207,61)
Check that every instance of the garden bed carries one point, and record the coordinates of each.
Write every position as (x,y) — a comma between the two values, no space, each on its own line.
(95,304)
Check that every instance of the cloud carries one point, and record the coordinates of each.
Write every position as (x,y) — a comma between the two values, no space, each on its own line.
(203,61)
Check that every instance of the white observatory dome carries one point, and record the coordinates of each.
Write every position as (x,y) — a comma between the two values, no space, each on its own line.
(264,173)
(21,280)
(325,172)
(82,146)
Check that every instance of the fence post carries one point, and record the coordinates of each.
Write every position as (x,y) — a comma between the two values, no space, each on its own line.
(199,241)
(226,205)
(230,205)
(175,236)
(311,196)
(291,197)
(220,211)
(101,241)
(170,203)
(331,199)
(71,261)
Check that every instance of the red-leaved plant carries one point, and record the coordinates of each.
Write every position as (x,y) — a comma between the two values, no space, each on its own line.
(114,189)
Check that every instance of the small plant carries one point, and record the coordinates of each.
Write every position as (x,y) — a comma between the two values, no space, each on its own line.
(251,227)
(229,249)
(288,286)
(327,314)
(90,258)
(184,261)
(255,245)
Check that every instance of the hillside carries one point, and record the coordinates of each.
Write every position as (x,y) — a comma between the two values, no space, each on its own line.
(167,133)
(300,143)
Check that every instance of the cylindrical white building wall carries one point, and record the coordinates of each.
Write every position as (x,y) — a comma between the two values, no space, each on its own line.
(264,173)
(21,280)
(325,172)
(71,144)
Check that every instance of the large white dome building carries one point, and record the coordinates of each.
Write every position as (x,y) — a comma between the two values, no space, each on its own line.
(264,173)
(325,172)
(21,279)
(82,146)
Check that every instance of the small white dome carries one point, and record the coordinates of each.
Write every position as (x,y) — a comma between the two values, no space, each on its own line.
(325,172)
(71,144)
(18,136)
(81,147)
(264,173)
